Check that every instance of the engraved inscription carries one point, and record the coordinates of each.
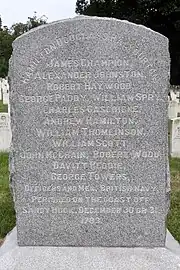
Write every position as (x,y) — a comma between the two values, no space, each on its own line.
(89,145)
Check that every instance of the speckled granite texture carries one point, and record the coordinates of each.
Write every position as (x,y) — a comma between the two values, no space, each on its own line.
(13,257)
(88,159)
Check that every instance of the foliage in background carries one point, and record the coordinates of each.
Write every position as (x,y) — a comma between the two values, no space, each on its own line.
(18,29)
(6,40)
(8,35)
(162,16)
(138,11)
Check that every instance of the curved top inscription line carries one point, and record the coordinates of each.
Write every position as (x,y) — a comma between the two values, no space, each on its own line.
(46,46)
(95,18)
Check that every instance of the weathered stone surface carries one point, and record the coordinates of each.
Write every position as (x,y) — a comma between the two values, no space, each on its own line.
(10,243)
(13,257)
(89,115)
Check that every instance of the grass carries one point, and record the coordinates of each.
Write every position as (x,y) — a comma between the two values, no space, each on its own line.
(7,214)
(173,221)
(3,107)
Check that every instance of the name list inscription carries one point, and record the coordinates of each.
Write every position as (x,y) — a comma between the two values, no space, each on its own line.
(92,125)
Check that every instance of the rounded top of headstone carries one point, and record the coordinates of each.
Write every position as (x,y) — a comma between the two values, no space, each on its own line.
(95,18)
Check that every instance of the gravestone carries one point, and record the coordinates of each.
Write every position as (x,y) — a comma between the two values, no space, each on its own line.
(5,132)
(89,121)
(175,137)
(173,109)
(174,105)
(5,91)
(0,88)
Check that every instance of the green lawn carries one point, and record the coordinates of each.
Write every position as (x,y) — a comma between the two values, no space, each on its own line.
(7,214)
(173,221)
(3,108)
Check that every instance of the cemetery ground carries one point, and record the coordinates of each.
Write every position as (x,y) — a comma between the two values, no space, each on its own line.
(3,107)
(7,213)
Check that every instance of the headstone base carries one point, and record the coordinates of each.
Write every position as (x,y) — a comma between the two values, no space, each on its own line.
(13,257)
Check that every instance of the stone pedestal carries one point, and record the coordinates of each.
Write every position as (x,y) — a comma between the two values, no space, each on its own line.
(13,257)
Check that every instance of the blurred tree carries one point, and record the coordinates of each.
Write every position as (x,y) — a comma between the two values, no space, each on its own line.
(81,6)
(21,28)
(6,40)
(18,29)
(8,35)
(0,24)
(162,16)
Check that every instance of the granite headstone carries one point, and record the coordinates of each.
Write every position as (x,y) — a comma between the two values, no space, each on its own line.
(175,137)
(5,132)
(88,103)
